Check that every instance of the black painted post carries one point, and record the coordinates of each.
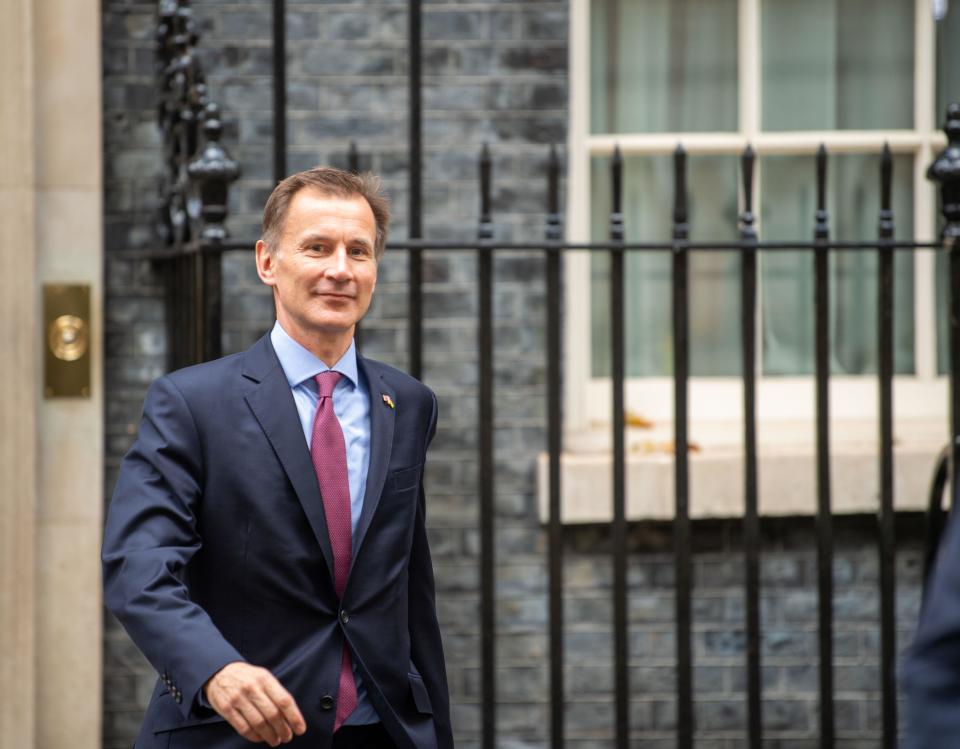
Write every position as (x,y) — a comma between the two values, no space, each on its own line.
(554,233)
(163,58)
(821,305)
(887,535)
(945,171)
(211,173)
(487,590)
(681,516)
(751,518)
(415,193)
(279,90)
(618,372)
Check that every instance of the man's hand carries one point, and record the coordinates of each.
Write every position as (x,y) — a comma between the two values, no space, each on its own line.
(254,703)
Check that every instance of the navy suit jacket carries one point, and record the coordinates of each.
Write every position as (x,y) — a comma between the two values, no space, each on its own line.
(216,550)
(931,674)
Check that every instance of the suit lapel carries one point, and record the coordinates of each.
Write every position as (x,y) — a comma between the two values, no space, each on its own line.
(382,418)
(272,403)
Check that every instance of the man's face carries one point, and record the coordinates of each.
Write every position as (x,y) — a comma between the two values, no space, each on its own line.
(323,270)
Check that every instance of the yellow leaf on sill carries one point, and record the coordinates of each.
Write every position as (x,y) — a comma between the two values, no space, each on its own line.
(637,421)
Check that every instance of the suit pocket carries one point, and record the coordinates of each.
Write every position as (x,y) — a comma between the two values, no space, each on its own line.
(420,697)
(405,479)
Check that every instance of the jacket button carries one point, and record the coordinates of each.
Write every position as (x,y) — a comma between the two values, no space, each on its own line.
(344,617)
(326,702)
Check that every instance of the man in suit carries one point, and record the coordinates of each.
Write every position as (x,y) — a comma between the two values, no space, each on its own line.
(931,669)
(265,546)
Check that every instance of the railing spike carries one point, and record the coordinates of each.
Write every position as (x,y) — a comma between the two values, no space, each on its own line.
(822,227)
(747,218)
(353,158)
(616,178)
(680,226)
(554,221)
(485,230)
(886,191)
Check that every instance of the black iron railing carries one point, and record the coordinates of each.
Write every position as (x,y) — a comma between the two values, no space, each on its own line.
(192,226)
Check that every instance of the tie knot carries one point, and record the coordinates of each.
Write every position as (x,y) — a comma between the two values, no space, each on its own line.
(326,382)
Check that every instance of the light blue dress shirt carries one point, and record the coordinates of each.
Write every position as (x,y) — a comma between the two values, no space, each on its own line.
(351,404)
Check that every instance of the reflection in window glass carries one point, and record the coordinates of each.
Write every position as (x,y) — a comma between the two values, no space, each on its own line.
(837,64)
(948,60)
(714,275)
(663,65)
(787,213)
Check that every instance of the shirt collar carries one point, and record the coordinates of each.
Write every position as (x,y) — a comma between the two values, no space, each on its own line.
(299,364)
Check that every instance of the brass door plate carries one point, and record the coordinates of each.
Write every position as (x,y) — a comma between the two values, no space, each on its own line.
(66,340)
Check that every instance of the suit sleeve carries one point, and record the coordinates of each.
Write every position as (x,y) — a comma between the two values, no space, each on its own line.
(426,645)
(150,535)
(932,668)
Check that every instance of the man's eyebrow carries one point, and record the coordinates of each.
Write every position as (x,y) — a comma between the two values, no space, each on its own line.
(325,238)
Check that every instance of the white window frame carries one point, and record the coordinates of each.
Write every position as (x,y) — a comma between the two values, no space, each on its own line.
(718,401)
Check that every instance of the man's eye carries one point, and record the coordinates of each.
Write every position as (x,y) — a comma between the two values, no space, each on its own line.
(359,252)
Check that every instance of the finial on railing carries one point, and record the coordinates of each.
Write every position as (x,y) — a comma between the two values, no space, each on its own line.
(885,224)
(748,230)
(554,221)
(822,228)
(193,113)
(353,158)
(681,228)
(164,38)
(211,172)
(945,171)
(485,230)
(616,193)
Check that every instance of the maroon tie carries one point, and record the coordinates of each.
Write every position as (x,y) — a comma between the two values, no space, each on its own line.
(329,455)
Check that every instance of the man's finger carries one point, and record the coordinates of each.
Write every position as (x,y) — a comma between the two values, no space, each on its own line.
(258,723)
(272,714)
(287,706)
(239,723)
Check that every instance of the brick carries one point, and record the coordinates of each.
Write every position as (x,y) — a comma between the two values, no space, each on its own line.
(789,715)
(247,24)
(551,59)
(450,25)
(544,24)
(303,25)
(340,59)
(720,715)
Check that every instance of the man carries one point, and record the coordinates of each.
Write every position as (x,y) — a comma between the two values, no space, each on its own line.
(931,671)
(265,547)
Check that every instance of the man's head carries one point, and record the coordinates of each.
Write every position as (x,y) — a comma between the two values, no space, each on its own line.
(324,231)
(327,181)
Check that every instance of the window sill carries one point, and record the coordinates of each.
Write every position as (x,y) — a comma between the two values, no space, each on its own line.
(786,474)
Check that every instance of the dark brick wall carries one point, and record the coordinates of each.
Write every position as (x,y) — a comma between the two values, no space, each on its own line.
(494,72)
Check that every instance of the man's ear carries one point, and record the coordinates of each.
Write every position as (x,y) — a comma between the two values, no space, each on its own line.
(265,263)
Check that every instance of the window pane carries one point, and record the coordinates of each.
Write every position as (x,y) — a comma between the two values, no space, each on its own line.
(787,213)
(948,60)
(714,276)
(663,65)
(837,64)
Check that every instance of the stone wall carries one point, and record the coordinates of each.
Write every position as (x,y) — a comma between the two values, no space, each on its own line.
(494,72)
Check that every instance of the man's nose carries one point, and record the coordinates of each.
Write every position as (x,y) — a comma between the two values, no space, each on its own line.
(339,267)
